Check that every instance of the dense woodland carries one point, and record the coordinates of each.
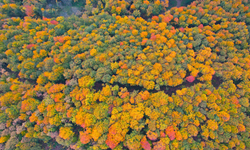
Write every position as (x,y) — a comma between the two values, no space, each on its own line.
(125,75)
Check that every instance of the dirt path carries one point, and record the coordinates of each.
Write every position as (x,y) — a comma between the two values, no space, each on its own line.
(178,3)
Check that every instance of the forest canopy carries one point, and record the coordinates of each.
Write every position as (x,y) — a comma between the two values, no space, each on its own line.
(125,75)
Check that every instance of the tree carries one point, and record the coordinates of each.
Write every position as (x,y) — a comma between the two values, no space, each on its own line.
(29,10)
(66,133)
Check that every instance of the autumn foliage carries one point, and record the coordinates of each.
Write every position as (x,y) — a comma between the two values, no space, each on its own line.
(29,10)
(127,76)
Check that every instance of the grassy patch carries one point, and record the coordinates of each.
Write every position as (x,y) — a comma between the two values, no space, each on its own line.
(186,2)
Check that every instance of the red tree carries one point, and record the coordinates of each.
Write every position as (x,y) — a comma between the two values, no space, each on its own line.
(190,79)
(29,10)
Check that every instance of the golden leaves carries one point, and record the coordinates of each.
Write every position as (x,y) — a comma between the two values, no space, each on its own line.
(224,115)
(137,113)
(134,32)
(93,52)
(86,81)
(167,75)
(3,139)
(66,133)
(106,91)
(158,66)
(144,34)
(211,124)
